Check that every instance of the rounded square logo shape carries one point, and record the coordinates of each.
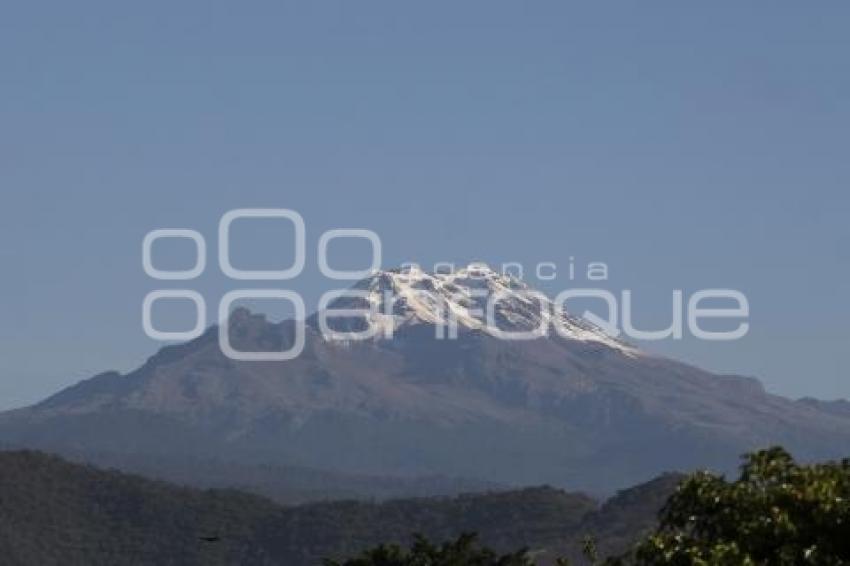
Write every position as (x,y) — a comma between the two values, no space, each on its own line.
(257,274)
(330,235)
(327,311)
(224,325)
(181,336)
(182,275)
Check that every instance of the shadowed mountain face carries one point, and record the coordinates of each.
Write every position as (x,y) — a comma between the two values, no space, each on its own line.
(576,408)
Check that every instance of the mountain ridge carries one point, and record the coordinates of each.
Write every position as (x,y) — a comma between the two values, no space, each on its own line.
(57,512)
(577,411)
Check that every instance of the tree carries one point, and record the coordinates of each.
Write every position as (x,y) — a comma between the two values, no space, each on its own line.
(777,513)
(461,552)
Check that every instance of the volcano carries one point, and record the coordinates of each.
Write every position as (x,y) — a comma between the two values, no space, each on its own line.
(575,408)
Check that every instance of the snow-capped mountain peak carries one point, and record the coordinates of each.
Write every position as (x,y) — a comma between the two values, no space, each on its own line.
(474,297)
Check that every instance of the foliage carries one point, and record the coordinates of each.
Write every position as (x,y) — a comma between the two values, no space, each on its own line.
(777,513)
(461,552)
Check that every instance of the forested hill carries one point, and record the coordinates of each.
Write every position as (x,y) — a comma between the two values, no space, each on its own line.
(56,512)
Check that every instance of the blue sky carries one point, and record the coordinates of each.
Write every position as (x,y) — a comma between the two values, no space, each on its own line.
(686,145)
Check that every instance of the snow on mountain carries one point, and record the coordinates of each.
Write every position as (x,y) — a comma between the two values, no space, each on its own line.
(474,298)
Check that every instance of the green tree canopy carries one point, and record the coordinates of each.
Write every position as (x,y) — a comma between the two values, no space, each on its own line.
(778,512)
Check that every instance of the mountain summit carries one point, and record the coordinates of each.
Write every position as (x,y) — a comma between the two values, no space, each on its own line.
(474,298)
(574,408)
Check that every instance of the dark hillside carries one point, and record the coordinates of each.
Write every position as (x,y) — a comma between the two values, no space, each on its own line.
(56,512)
